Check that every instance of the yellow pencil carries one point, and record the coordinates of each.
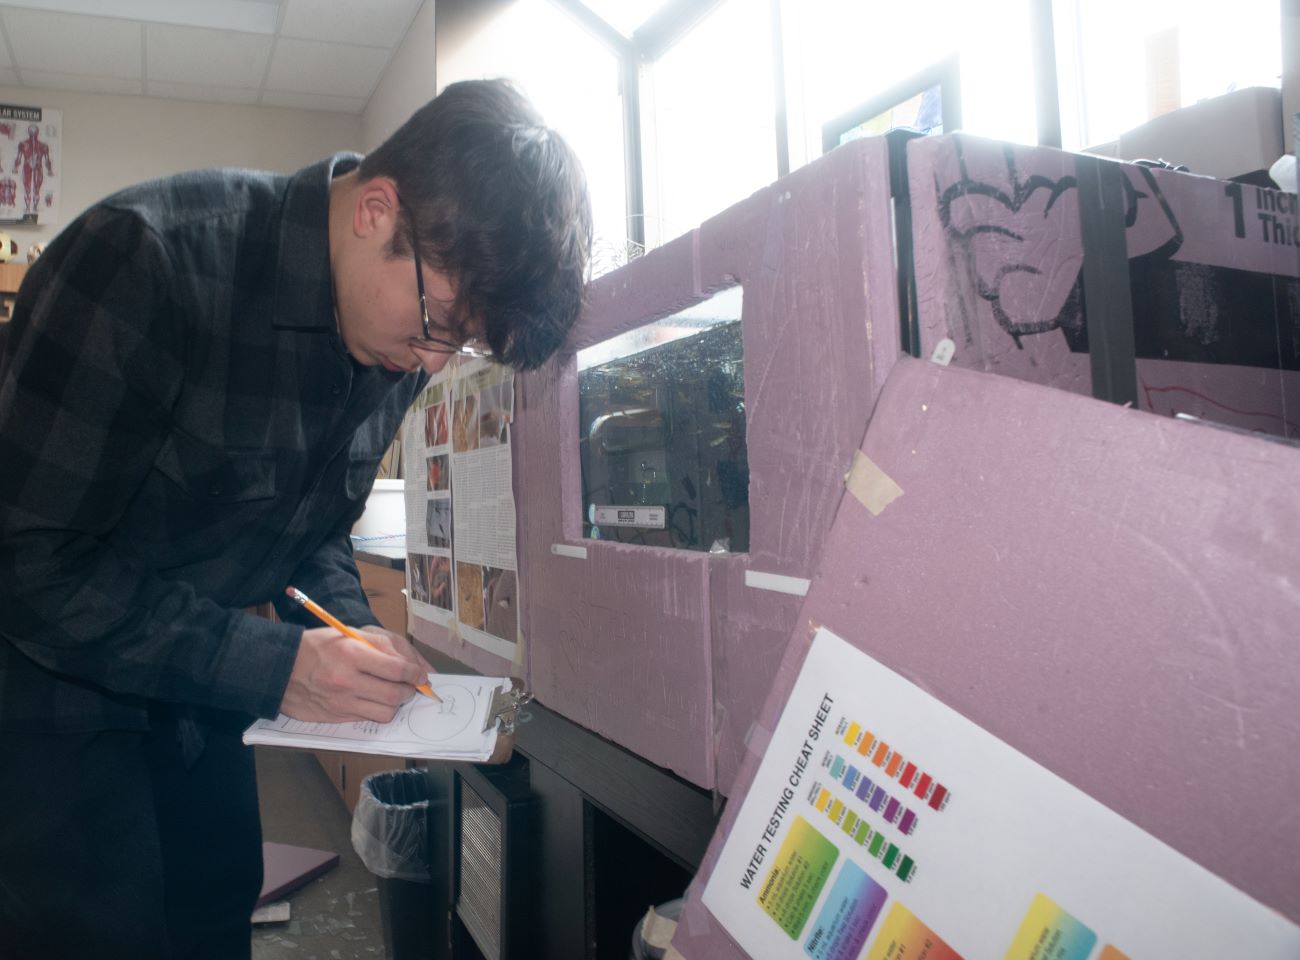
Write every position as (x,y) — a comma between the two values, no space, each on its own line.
(328,618)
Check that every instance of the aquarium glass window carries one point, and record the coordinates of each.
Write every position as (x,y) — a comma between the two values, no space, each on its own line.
(662,420)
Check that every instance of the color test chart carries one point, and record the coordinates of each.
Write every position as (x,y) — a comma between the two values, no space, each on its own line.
(882,825)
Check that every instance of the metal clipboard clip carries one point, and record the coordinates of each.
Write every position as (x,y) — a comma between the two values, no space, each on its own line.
(503,708)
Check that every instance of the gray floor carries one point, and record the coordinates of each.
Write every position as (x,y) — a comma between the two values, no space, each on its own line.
(336,916)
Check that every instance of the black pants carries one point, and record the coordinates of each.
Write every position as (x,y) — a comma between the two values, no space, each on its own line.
(110,847)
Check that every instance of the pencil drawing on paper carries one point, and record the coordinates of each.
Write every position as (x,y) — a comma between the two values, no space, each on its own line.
(438,721)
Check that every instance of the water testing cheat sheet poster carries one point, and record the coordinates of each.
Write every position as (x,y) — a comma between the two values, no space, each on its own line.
(882,825)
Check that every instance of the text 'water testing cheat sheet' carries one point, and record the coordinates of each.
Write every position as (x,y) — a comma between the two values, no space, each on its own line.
(883,825)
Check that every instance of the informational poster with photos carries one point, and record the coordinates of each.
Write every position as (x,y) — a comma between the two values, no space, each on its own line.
(31,164)
(460,508)
(882,825)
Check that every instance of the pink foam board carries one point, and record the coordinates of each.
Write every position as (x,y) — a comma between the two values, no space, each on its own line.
(1213,269)
(1111,592)
(653,648)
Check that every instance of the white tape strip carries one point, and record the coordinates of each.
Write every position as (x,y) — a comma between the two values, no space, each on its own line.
(564,550)
(943,353)
(795,586)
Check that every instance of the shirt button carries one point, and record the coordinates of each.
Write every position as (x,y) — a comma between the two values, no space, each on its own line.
(336,390)
(216,490)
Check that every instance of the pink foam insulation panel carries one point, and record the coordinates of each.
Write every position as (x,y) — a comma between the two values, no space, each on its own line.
(1213,278)
(1114,594)
(668,652)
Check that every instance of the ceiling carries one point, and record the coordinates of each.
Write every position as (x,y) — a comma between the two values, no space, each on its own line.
(310,54)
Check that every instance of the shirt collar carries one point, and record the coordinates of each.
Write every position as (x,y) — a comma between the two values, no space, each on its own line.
(304,288)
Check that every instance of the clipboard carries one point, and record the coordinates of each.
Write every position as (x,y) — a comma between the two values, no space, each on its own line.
(503,710)
(474,721)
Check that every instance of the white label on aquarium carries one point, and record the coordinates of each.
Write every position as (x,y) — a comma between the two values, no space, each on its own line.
(651,518)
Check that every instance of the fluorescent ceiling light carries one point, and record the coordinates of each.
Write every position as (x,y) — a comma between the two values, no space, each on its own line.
(246,16)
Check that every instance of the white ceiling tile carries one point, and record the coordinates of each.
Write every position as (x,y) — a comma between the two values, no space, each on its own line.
(332,69)
(197,56)
(206,93)
(8,76)
(314,101)
(72,44)
(375,23)
(76,81)
(249,16)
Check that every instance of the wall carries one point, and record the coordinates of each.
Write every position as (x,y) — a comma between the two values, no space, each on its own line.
(110,142)
(467,48)
(407,84)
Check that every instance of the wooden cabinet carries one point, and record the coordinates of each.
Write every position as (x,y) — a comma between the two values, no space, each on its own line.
(383,586)
(347,770)
(11,276)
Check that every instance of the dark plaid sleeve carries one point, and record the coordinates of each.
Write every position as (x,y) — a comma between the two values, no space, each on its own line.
(330,577)
(95,359)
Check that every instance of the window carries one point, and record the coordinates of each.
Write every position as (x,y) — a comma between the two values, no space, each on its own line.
(1121,64)
(842,54)
(708,110)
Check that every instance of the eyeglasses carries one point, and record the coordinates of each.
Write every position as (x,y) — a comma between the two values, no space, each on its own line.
(470,348)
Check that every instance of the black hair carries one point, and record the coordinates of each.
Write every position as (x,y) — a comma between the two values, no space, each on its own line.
(500,204)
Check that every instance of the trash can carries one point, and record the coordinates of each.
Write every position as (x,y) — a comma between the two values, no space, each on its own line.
(390,832)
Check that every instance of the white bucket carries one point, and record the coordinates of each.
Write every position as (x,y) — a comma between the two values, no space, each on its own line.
(385,511)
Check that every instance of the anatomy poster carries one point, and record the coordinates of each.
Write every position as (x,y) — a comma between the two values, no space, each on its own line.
(31,164)
(460,509)
(882,825)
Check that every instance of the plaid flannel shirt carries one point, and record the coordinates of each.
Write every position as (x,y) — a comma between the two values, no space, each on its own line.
(182,435)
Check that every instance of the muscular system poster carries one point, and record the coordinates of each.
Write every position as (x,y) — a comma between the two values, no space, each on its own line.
(31,165)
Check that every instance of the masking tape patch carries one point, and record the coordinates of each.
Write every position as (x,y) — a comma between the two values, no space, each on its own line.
(779,583)
(564,550)
(757,738)
(874,488)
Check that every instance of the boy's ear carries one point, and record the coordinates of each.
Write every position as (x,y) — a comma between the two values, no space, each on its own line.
(377,208)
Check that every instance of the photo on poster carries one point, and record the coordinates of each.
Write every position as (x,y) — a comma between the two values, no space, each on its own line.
(437,472)
(430,580)
(418,564)
(440,582)
(494,415)
(500,603)
(469,594)
(435,425)
(464,423)
(437,523)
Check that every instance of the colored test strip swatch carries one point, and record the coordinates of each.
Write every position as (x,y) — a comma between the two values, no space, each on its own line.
(864,835)
(890,808)
(895,766)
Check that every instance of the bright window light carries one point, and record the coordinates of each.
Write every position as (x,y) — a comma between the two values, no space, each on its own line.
(708,112)
(842,53)
(625,16)
(1123,63)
